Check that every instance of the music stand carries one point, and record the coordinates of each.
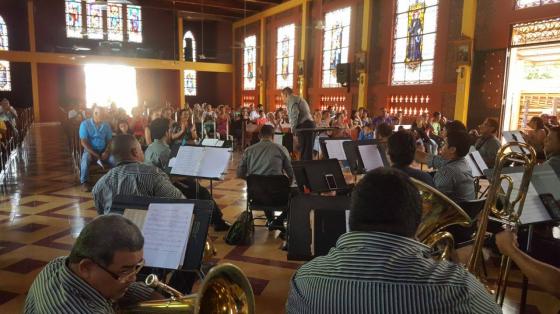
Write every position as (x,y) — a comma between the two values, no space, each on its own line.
(199,229)
(317,131)
(325,151)
(311,174)
(355,158)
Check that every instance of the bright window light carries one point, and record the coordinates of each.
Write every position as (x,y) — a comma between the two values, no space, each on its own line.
(107,83)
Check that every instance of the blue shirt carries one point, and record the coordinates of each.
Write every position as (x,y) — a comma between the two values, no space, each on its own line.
(363,136)
(96,136)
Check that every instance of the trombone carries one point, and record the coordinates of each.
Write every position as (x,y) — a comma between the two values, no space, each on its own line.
(502,207)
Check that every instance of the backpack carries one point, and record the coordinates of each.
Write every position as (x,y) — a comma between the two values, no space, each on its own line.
(242,230)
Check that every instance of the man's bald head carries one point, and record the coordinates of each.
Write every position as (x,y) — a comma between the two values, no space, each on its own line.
(125,147)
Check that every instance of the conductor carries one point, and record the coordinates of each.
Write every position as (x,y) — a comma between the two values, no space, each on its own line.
(300,118)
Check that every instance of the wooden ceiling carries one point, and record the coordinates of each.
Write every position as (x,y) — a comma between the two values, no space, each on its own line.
(232,10)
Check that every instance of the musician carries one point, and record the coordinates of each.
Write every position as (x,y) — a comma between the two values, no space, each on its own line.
(99,274)
(300,117)
(488,143)
(543,275)
(401,148)
(455,178)
(552,149)
(378,267)
(436,161)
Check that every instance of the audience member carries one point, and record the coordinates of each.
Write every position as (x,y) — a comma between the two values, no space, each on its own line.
(222,122)
(380,257)
(183,132)
(154,114)
(100,270)
(488,143)
(95,136)
(8,114)
(122,127)
(552,149)
(366,133)
(385,117)
(401,149)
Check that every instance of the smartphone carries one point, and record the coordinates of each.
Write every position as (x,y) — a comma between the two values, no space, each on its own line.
(551,205)
(331,182)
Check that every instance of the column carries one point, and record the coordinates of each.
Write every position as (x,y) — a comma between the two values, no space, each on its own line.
(464,72)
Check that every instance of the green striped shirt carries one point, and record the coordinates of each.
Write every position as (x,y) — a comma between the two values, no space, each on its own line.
(385,273)
(58,290)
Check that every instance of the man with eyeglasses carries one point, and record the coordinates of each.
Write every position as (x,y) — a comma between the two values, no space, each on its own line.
(99,274)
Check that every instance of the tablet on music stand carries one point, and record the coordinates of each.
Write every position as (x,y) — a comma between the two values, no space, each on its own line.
(316,174)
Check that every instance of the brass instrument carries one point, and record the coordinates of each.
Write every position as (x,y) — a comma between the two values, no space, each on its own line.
(209,251)
(224,290)
(438,213)
(510,211)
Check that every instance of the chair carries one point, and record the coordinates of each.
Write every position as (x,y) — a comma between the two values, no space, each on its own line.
(268,193)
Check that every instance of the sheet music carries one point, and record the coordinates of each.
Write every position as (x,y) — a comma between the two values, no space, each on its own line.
(214,163)
(188,160)
(404,126)
(513,136)
(371,157)
(278,138)
(476,163)
(220,143)
(171,162)
(533,209)
(166,234)
(210,142)
(347,215)
(335,149)
(137,216)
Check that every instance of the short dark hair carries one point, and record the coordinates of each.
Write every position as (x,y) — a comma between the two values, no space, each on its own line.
(493,123)
(436,114)
(461,141)
(287,91)
(158,127)
(386,200)
(105,235)
(455,125)
(121,145)
(266,131)
(539,121)
(384,129)
(401,147)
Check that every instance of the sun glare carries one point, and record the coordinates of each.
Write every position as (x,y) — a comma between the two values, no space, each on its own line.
(107,83)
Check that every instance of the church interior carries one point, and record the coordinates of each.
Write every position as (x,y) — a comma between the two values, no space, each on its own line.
(319,80)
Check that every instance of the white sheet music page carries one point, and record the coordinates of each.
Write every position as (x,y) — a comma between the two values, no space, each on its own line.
(479,161)
(166,234)
(210,142)
(472,165)
(188,160)
(335,149)
(513,136)
(533,209)
(371,157)
(278,138)
(215,162)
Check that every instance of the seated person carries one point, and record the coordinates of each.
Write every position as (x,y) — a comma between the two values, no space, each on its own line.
(266,158)
(543,275)
(131,176)
(401,149)
(367,133)
(8,113)
(535,135)
(455,178)
(436,161)
(488,143)
(123,127)
(382,133)
(100,270)
(158,154)
(95,137)
(183,132)
(378,267)
(552,149)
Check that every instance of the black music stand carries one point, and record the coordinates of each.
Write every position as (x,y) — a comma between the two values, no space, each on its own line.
(311,174)
(323,144)
(355,158)
(316,131)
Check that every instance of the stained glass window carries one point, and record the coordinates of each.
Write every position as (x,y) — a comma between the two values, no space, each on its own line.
(336,39)
(522,4)
(94,21)
(134,26)
(414,42)
(190,82)
(285,47)
(189,36)
(250,63)
(114,22)
(74,26)
(5,77)
(3,35)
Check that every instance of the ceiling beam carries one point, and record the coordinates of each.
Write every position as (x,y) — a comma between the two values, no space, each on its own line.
(225,4)
(265,2)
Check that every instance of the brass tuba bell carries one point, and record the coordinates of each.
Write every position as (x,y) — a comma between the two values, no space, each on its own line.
(225,290)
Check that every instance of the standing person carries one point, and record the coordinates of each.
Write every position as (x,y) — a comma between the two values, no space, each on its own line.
(300,117)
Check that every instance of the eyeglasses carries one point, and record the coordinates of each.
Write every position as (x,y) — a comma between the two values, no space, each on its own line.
(123,276)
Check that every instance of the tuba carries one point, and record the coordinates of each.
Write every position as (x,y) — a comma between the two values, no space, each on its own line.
(225,290)
(438,213)
(500,205)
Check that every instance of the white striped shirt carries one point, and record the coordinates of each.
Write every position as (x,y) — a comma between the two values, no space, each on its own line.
(58,290)
(385,273)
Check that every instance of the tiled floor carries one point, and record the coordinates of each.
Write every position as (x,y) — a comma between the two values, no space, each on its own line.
(42,210)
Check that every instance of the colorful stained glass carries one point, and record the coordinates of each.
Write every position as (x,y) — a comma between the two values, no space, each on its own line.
(336,40)
(114,22)
(189,36)
(134,26)
(536,32)
(3,35)
(285,47)
(74,26)
(190,82)
(250,63)
(94,21)
(414,42)
(5,77)
(523,4)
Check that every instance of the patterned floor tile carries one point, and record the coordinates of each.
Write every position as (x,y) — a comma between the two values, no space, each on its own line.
(25,266)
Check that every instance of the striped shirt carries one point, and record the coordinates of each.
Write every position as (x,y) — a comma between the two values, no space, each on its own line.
(132,178)
(455,180)
(58,290)
(385,273)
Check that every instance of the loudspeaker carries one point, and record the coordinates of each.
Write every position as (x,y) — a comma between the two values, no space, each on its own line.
(188,50)
(343,73)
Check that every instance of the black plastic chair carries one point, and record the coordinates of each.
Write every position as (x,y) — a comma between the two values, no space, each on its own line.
(268,194)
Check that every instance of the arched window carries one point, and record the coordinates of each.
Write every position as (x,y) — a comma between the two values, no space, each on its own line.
(250,63)
(336,41)
(414,42)
(285,47)
(5,75)
(522,4)
(190,75)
